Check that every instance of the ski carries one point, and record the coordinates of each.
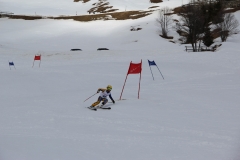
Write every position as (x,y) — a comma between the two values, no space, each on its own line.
(105,108)
(94,109)
(98,107)
(101,107)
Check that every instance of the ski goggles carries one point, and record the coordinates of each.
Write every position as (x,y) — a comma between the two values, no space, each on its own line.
(109,88)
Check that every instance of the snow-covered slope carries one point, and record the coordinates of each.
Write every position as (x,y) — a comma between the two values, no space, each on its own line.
(192,114)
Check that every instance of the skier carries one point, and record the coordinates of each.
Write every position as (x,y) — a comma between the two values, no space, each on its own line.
(103,97)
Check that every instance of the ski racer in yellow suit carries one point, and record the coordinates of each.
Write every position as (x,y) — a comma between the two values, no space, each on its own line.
(103,96)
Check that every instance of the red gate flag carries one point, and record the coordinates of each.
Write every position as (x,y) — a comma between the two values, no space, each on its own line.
(134,68)
(37,58)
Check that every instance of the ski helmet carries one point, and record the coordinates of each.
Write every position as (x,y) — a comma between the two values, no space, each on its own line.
(109,87)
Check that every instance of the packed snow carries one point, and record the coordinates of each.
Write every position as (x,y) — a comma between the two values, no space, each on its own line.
(191,114)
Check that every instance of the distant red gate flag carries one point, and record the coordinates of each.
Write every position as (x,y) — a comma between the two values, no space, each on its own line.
(134,68)
(37,58)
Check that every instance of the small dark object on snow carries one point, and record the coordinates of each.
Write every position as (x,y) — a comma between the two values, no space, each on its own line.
(99,49)
(76,50)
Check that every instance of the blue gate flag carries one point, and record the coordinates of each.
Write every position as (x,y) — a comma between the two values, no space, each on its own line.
(11,64)
(151,63)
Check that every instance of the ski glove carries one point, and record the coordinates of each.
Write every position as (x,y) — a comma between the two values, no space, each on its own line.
(113,101)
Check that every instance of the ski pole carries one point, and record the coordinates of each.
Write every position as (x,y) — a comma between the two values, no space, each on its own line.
(90,96)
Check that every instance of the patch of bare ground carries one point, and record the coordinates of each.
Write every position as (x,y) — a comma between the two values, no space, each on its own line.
(102,6)
(153,7)
(155,1)
(172,41)
(85,18)
(24,17)
(83,1)
(216,33)
(166,37)
(109,16)
(177,10)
